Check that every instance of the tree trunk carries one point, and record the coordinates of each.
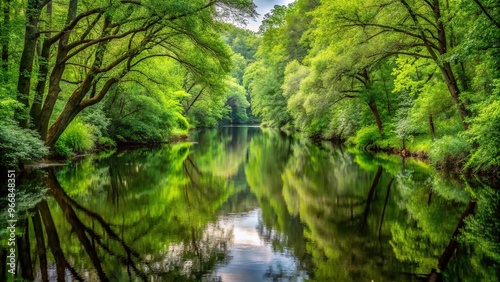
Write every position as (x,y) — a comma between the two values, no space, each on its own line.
(445,67)
(74,106)
(452,246)
(452,85)
(53,239)
(6,36)
(186,110)
(43,69)
(50,101)
(376,115)
(26,63)
(76,224)
(55,77)
(3,265)
(431,127)
(23,250)
(385,205)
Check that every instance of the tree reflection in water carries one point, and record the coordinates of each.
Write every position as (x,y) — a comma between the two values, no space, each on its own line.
(156,231)
(316,212)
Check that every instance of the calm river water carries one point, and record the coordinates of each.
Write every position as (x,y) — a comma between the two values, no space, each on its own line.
(251,204)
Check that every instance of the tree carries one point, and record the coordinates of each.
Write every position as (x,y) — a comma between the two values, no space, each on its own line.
(105,43)
(413,28)
(264,77)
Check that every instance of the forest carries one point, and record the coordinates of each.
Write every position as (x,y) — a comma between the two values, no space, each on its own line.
(158,140)
(412,77)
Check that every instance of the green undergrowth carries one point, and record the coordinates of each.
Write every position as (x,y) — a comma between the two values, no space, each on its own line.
(370,139)
(450,152)
(81,137)
(78,138)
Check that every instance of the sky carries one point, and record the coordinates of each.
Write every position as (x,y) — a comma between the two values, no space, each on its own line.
(264,7)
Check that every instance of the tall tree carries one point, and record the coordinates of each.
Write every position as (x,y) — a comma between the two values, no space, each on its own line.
(4,38)
(387,28)
(105,41)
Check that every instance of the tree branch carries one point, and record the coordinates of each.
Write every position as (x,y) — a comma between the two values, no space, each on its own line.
(147,77)
(496,23)
(71,82)
(97,98)
(72,24)
(387,27)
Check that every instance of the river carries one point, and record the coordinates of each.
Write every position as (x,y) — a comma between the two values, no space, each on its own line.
(252,204)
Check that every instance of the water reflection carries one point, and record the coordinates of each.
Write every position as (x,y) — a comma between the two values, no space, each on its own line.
(253,257)
(245,204)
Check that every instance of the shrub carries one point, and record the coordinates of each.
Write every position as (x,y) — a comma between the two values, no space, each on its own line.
(61,150)
(77,138)
(449,151)
(144,119)
(19,145)
(366,137)
(485,132)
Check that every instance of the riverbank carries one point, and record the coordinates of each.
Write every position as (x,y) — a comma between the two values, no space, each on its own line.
(450,154)
(53,160)
(447,157)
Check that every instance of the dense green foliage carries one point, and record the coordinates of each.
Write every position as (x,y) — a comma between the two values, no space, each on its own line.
(423,73)
(17,145)
(78,137)
(93,74)
(419,72)
(403,76)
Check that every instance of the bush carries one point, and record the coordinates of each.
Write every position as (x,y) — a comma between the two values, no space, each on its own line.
(19,145)
(485,132)
(144,119)
(77,138)
(366,137)
(62,150)
(449,151)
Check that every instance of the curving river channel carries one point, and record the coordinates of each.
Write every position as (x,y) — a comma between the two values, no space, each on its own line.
(251,204)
